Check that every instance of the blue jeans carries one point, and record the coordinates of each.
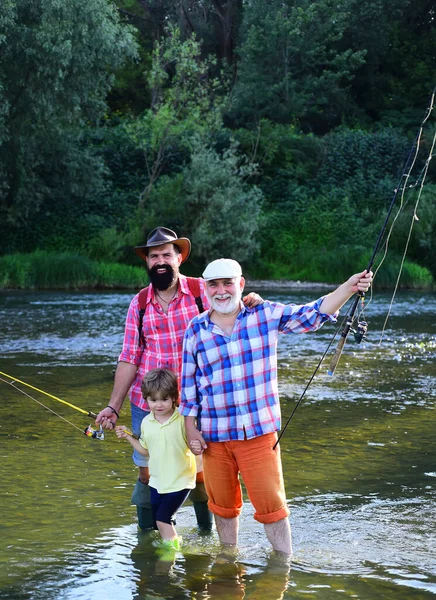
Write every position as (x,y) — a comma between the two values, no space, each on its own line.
(137,416)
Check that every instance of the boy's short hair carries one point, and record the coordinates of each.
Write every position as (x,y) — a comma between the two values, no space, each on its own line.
(162,381)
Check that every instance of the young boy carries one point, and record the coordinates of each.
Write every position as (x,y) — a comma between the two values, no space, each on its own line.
(163,439)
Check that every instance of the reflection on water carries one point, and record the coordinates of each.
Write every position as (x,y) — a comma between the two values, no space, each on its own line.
(358,460)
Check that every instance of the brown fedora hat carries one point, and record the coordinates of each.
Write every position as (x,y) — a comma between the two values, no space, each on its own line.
(161,236)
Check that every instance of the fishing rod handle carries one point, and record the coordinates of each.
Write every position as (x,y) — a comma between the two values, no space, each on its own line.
(336,356)
(341,344)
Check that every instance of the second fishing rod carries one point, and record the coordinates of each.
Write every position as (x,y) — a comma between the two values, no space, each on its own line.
(362,326)
(347,325)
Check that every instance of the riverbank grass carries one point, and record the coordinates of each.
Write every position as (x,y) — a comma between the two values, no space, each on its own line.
(51,270)
(335,266)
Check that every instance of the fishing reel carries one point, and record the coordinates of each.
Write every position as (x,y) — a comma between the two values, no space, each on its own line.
(360,333)
(97,434)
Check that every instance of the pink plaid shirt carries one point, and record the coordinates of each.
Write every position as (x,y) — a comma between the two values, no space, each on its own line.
(163,334)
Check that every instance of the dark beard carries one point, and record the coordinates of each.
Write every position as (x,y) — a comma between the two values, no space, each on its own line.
(162,281)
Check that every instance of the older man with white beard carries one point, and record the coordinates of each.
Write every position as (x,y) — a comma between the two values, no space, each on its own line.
(230,396)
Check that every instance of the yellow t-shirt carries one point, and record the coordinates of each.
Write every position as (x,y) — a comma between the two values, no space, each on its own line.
(172,465)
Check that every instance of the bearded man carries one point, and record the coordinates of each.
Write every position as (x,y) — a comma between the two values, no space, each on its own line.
(169,306)
(230,395)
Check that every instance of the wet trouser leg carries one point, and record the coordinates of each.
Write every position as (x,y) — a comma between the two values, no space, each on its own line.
(141,497)
(198,497)
(141,492)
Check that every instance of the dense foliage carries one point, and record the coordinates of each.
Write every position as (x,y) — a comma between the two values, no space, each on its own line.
(57,65)
(274,132)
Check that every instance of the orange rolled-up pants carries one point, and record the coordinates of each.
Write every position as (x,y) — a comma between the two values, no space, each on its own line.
(261,469)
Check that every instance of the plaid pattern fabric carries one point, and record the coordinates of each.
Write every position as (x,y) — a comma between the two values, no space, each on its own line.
(163,334)
(230,384)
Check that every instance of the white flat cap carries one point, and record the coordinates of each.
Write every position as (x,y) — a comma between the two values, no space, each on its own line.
(222,268)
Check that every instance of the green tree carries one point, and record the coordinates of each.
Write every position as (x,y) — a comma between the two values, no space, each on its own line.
(56,69)
(398,73)
(222,208)
(6,21)
(291,68)
(212,202)
(215,23)
(184,103)
(366,164)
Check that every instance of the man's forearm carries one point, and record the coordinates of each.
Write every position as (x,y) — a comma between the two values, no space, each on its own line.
(190,425)
(334,301)
(124,377)
(360,282)
(193,435)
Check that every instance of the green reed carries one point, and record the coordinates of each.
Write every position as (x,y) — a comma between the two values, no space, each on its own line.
(336,265)
(65,270)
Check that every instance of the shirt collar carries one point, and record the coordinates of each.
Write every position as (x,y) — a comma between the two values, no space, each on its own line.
(151,297)
(183,284)
(173,416)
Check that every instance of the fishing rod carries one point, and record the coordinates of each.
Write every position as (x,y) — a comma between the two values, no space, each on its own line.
(15,380)
(89,431)
(362,326)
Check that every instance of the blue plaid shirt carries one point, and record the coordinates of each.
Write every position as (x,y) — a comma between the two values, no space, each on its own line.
(230,383)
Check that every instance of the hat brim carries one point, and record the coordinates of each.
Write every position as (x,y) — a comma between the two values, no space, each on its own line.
(183,244)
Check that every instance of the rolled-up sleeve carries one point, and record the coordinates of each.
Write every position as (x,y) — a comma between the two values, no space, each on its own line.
(131,351)
(189,405)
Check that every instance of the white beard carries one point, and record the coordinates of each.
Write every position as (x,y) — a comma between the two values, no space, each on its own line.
(225,308)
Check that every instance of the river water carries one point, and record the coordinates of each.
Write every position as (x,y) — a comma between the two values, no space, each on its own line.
(358,455)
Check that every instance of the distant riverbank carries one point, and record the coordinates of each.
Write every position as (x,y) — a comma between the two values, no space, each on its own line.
(282,284)
(42,270)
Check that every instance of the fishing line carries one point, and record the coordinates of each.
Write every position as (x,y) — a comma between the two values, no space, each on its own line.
(312,376)
(419,181)
(310,381)
(85,412)
(349,317)
(406,176)
(412,223)
(406,173)
(11,383)
(89,431)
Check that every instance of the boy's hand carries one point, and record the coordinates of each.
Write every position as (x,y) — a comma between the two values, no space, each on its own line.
(196,441)
(121,431)
(196,447)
